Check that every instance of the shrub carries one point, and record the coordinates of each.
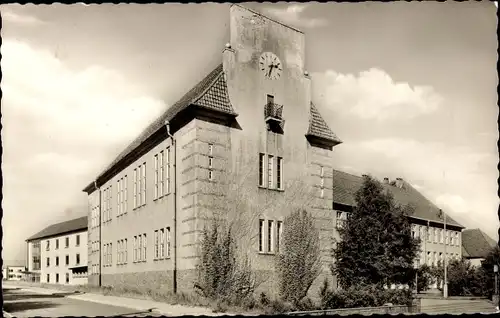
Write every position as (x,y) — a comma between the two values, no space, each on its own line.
(365,296)
(221,275)
(298,261)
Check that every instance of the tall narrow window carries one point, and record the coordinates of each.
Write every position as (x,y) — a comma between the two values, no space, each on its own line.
(143,200)
(162,243)
(167,171)
(144,244)
(135,248)
(322,181)
(429,234)
(135,188)
(77,259)
(270,162)
(270,99)
(57,244)
(441,239)
(167,237)
(161,174)
(125,194)
(279,235)
(118,197)
(261,235)
(279,173)
(67,242)
(157,245)
(270,236)
(78,240)
(261,169)
(125,258)
(210,161)
(156,177)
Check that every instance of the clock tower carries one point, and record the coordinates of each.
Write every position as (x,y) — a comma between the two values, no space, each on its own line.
(264,64)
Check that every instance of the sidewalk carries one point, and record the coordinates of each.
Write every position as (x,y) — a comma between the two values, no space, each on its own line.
(132,303)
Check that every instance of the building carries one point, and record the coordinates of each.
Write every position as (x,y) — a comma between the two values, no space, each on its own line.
(251,123)
(13,272)
(58,254)
(476,245)
(426,222)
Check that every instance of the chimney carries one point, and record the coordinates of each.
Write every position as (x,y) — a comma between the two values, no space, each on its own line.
(386,180)
(399,183)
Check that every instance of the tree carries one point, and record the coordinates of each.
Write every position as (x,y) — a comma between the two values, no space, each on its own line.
(298,262)
(376,246)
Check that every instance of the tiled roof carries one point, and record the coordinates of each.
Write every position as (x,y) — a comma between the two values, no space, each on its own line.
(210,92)
(476,243)
(319,128)
(74,225)
(345,186)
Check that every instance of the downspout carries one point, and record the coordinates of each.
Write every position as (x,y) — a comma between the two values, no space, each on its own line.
(167,124)
(100,235)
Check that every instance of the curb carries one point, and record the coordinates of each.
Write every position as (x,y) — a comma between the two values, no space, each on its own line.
(6,314)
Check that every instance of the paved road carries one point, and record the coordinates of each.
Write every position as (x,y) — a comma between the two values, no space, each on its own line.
(25,303)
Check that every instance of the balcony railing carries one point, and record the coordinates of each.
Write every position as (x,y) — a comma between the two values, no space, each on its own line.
(273,112)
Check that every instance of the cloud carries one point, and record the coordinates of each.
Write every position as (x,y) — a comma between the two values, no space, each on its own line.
(292,15)
(454,202)
(20,19)
(373,94)
(461,180)
(61,126)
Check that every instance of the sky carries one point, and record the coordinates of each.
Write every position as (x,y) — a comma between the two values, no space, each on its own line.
(410,88)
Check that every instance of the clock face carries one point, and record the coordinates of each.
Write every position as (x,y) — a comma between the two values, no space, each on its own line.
(270,65)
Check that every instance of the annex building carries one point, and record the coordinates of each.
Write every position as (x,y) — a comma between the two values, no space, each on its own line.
(246,140)
(58,253)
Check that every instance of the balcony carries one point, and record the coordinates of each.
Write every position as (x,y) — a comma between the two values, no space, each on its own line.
(273,114)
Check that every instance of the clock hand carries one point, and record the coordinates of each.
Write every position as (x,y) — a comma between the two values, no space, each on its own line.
(270,69)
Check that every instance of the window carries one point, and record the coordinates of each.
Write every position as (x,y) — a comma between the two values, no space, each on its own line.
(441,239)
(77,259)
(436,235)
(279,173)
(322,181)
(167,254)
(270,162)
(341,220)
(167,171)
(135,188)
(67,260)
(261,235)
(158,161)
(67,242)
(47,247)
(270,99)
(78,240)
(139,249)
(57,260)
(143,198)
(57,244)
(125,249)
(135,248)
(67,278)
(48,278)
(210,161)
(162,243)
(261,169)
(279,235)
(48,262)
(270,236)
(124,200)
(144,244)
(413,231)
(157,244)
(429,234)
(57,278)
(457,236)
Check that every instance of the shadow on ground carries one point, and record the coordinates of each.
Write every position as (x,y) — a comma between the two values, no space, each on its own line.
(27,305)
